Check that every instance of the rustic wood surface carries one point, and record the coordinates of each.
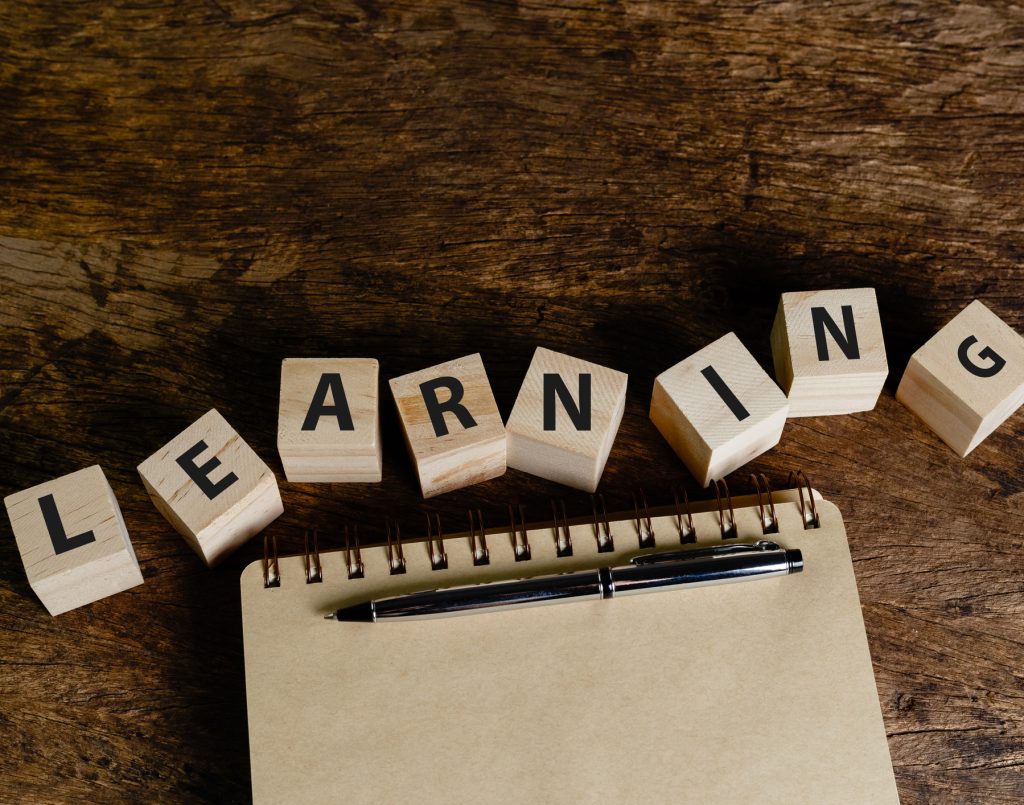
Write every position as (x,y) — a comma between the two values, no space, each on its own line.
(194,191)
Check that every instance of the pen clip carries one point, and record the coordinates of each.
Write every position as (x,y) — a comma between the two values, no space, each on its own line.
(696,553)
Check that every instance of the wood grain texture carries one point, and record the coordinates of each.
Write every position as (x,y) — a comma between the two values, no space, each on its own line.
(193,192)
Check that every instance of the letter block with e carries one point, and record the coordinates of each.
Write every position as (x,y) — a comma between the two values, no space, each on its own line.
(328,426)
(565,419)
(828,351)
(967,379)
(718,409)
(212,487)
(72,540)
(452,425)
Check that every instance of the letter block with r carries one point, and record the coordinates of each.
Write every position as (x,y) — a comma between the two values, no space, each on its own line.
(452,425)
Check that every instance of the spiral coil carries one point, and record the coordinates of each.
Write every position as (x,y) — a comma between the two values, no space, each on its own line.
(518,530)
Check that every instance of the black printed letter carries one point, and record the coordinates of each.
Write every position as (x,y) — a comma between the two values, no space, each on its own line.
(58,536)
(847,341)
(989,354)
(200,475)
(329,382)
(580,416)
(725,393)
(438,409)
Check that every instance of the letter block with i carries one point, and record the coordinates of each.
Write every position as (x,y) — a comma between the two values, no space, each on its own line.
(212,487)
(718,409)
(72,540)
(968,379)
(828,351)
(452,425)
(565,419)
(328,427)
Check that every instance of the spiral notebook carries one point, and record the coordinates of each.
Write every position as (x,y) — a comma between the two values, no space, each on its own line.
(760,691)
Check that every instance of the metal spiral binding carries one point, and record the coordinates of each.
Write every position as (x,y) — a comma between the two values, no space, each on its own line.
(685,527)
(808,511)
(396,556)
(602,528)
(728,528)
(561,532)
(560,527)
(769,520)
(311,559)
(435,544)
(353,558)
(644,529)
(478,539)
(520,542)
(271,570)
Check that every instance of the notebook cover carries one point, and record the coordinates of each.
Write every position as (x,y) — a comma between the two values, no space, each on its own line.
(760,691)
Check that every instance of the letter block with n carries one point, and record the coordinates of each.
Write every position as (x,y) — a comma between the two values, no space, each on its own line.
(565,419)
(828,351)
(72,540)
(452,424)
(212,487)
(967,379)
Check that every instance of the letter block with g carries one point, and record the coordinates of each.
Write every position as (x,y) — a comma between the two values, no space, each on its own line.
(967,379)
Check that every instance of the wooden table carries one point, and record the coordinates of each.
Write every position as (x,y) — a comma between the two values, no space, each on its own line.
(193,192)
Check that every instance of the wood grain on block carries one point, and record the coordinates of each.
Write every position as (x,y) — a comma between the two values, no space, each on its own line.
(72,540)
(967,379)
(451,424)
(328,426)
(565,419)
(718,409)
(212,487)
(828,351)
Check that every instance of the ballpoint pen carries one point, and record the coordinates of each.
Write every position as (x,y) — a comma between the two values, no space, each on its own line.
(646,573)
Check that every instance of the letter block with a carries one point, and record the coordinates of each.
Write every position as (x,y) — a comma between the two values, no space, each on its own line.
(565,419)
(212,487)
(72,540)
(452,425)
(828,351)
(718,409)
(328,426)
(968,379)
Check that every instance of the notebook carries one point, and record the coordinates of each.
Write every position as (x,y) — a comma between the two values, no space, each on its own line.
(760,691)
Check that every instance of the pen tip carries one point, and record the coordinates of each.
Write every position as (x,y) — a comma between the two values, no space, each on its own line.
(329,617)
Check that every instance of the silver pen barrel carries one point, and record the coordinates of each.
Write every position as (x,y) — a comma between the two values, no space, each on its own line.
(579,586)
(640,578)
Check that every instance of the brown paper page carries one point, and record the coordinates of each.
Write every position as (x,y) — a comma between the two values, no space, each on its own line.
(760,691)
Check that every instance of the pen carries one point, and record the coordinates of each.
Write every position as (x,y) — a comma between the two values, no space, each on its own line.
(648,573)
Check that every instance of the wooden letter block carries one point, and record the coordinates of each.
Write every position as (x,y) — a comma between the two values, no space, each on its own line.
(828,351)
(718,409)
(565,419)
(968,379)
(212,487)
(451,424)
(328,426)
(72,540)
